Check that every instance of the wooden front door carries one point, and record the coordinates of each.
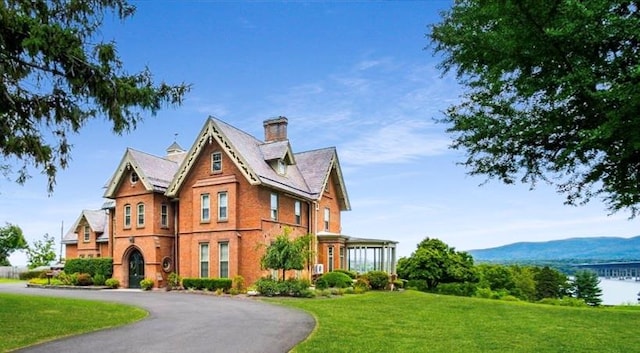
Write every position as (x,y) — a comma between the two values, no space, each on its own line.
(136,269)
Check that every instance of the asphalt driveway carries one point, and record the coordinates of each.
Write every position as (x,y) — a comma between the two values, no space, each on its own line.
(180,322)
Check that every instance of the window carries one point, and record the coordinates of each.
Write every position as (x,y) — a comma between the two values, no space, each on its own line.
(222,206)
(224,260)
(342,257)
(204,260)
(164,215)
(127,216)
(87,233)
(297,212)
(205,208)
(274,206)
(140,215)
(281,167)
(216,162)
(330,258)
(134,178)
(327,213)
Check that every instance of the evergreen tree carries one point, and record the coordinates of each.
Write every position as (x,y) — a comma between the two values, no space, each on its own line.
(586,287)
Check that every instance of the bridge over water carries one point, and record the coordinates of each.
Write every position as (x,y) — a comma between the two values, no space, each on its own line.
(621,270)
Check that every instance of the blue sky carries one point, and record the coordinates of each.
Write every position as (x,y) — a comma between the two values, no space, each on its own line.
(353,75)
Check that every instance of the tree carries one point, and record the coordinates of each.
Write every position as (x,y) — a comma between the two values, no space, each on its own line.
(56,77)
(585,287)
(435,262)
(550,283)
(496,277)
(11,239)
(286,254)
(551,94)
(42,252)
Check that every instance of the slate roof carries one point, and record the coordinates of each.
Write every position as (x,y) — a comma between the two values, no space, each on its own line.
(306,176)
(307,172)
(98,223)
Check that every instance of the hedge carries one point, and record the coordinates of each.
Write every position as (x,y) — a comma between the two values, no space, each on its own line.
(210,284)
(92,266)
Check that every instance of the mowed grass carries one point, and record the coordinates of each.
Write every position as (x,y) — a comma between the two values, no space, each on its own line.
(27,320)
(413,321)
(10,280)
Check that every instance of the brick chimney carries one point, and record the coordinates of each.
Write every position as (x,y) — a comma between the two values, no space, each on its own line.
(275,129)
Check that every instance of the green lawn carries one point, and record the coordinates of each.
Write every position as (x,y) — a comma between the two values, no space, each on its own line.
(10,280)
(413,321)
(26,320)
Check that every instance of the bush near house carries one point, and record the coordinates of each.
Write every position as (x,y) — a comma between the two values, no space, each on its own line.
(25,276)
(92,266)
(292,287)
(112,283)
(334,279)
(146,284)
(210,284)
(377,279)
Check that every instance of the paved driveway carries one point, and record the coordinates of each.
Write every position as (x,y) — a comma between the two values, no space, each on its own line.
(180,322)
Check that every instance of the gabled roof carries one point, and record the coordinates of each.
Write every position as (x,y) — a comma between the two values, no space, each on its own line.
(154,172)
(97,220)
(307,172)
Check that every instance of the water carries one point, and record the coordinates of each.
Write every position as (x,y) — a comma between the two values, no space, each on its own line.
(617,292)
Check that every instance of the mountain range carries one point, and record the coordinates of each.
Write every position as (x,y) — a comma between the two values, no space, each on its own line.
(596,249)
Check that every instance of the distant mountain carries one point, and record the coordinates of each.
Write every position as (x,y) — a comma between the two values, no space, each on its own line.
(598,248)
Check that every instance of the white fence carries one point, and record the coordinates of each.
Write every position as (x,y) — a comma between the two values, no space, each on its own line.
(11,271)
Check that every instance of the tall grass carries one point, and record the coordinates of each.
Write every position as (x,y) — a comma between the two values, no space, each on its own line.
(419,322)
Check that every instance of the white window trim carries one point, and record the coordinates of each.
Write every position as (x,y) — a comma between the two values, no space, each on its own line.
(205,205)
(87,234)
(223,260)
(164,215)
(223,206)
(140,218)
(127,216)
(204,260)
(215,161)
(274,206)
(297,212)
(327,218)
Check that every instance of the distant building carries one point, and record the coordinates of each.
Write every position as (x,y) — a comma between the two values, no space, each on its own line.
(212,211)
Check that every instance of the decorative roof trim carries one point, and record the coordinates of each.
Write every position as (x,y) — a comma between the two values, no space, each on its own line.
(343,196)
(127,163)
(210,131)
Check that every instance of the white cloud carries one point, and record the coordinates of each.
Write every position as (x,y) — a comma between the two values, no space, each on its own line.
(397,142)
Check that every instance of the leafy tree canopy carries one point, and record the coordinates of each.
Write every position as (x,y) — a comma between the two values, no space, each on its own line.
(286,254)
(552,93)
(42,252)
(57,75)
(11,239)
(435,262)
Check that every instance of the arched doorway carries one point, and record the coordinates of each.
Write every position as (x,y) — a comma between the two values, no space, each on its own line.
(136,268)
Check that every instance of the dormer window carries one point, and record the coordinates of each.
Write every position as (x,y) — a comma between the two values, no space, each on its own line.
(281,167)
(134,178)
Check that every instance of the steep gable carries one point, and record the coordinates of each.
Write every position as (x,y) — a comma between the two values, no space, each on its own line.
(97,220)
(155,173)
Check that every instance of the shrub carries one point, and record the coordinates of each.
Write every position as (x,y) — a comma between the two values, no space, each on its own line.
(211,284)
(99,279)
(337,279)
(321,283)
(112,283)
(267,287)
(66,279)
(295,287)
(377,279)
(565,301)
(25,276)
(174,281)
(459,289)
(83,279)
(92,266)
(238,283)
(146,284)
(351,274)
(361,285)
(417,284)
